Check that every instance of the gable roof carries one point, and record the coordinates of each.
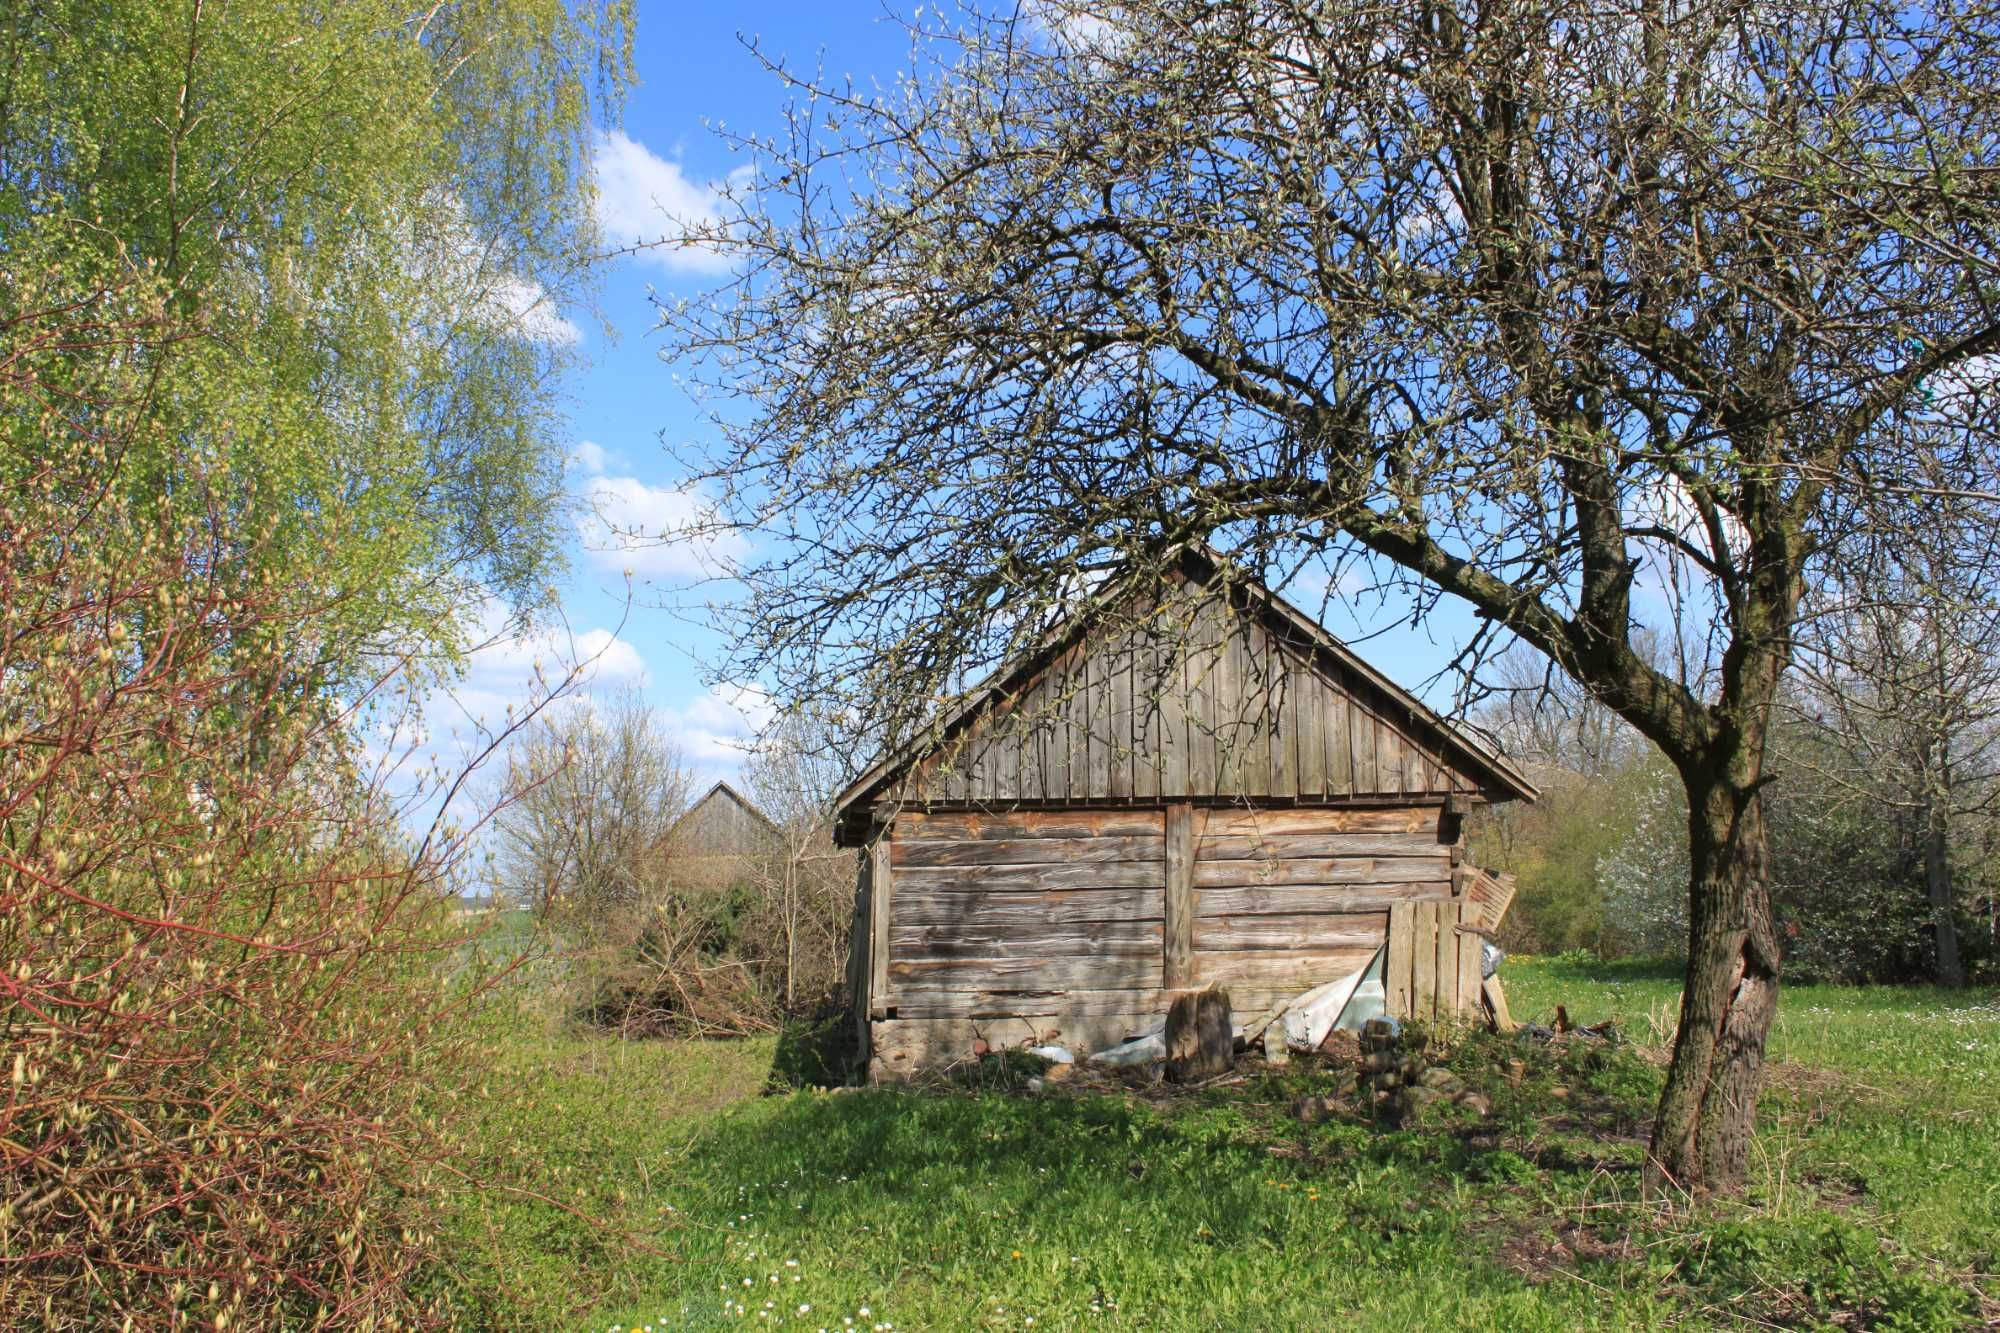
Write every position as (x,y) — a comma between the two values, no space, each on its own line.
(722,791)
(1442,758)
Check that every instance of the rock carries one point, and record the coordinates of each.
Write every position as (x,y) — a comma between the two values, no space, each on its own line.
(1036,1084)
(1475,1102)
(1404,1105)
(1341,1045)
(1441,1080)
(1312,1110)
(1559,1092)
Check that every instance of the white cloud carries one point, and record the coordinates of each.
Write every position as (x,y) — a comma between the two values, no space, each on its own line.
(589,458)
(528,310)
(717,729)
(643,199)
(655,532)
(510,669)
(472,281)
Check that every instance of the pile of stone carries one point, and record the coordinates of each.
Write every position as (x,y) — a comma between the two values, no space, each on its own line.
(1395,1082)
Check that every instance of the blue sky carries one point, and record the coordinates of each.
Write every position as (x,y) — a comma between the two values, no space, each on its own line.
(626,404)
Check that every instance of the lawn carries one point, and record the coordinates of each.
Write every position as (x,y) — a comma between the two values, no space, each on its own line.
(657,1184)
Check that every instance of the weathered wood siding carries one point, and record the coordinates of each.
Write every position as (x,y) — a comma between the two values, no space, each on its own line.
(1061,925)
(1030,912)
(718,841)
(1202,702)
(1288,899)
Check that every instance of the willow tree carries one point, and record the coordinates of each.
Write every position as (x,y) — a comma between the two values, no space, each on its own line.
(1509,298)
(364,223)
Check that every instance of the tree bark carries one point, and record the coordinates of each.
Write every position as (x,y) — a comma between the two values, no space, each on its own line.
(1701,1136)
(1937,886)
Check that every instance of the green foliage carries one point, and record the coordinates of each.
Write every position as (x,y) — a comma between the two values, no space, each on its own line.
(352,226)
(1822,1266)
(814,1053)
(272,397)
(957,1206)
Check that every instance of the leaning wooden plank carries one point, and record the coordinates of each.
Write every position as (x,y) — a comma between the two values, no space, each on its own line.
(1423,961)
(1496,1005)
(1288,899)
(1447,959)
(1287,846)
(1397,979)
(1002,911)
(914,852)
(1469,971)
(1356,870)
(989,879)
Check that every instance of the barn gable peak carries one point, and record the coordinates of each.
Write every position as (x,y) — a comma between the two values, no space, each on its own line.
(1202,685)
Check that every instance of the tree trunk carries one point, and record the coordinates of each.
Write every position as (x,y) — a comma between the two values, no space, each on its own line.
(1937,886)
(1701,1137)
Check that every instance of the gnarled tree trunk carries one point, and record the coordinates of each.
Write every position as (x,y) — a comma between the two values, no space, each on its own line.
(1701,1137)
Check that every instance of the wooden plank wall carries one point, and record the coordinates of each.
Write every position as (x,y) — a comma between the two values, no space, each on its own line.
(1288,899)
(1031,926)
(1432,967)
(1005,914)
(1201,703)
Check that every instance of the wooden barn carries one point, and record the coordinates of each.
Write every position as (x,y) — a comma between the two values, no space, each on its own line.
(1197,786)
(717,842)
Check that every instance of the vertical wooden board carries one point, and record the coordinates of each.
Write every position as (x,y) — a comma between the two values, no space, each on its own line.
(1097,727)
(879,905)
(1285,724)
(1397,964)
(1416,765)
(1076,737)
(1365,724)
(1029,725)
(1118,736)
(1423,961)
(1148,701)
(1447,959)
(1312,735)
(1174,741)
(1339,744)
(1257,703)
(1222,689)
(1468,970)
(1177,946)
(1388,759)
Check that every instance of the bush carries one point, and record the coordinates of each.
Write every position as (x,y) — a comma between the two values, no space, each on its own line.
(225,998)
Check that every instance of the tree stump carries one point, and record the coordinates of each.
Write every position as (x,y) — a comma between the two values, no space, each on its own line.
(1200,1043)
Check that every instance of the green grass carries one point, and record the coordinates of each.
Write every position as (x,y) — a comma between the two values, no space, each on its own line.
(645,1183)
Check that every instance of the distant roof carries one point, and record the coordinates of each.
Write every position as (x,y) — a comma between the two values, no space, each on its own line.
(723,792)
(1202,565)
